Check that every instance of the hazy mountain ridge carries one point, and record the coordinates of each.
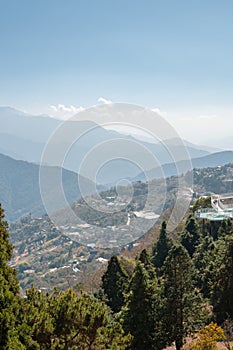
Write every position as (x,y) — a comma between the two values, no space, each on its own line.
(24,137)
(19,187)
(19,182)
(211,160)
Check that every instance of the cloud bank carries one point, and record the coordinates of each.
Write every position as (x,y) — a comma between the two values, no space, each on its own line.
(64,112)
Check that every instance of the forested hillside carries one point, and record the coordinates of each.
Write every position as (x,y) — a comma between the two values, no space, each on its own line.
(177,290)
(172,291)
(50,255)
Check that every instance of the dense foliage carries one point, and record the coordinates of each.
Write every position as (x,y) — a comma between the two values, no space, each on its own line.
(61,320)
(176,290)
(114,284)
(180,288)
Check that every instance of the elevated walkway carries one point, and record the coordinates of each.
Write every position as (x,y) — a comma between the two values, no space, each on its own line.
(222,208)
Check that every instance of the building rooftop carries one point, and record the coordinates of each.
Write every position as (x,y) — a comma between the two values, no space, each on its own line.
(222,208)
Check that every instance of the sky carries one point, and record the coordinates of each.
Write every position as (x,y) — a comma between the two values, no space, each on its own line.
(57,57)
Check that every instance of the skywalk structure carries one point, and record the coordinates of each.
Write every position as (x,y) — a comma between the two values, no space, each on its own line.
(222,208)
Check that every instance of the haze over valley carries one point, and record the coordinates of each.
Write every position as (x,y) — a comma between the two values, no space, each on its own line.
(116,175)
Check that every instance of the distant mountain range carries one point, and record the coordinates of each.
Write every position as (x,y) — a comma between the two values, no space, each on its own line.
(20,192)
(24,137)
(172,169)
(224,143)
(22,140)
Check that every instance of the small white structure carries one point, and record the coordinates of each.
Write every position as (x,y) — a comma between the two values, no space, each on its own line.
(222,208)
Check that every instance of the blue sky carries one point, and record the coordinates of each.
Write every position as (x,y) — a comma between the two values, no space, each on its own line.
(170,54)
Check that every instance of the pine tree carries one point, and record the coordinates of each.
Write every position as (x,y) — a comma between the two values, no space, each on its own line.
(161,248)
(226,228)
(36,320)
(114,284)
(191,236)
(144,258)
(142,314)
(223,290)
(204,262)
(66,321)
(183,304)
(9,290)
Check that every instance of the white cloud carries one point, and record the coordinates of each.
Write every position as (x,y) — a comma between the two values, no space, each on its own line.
(104,101)
(158,111)
(64,112)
